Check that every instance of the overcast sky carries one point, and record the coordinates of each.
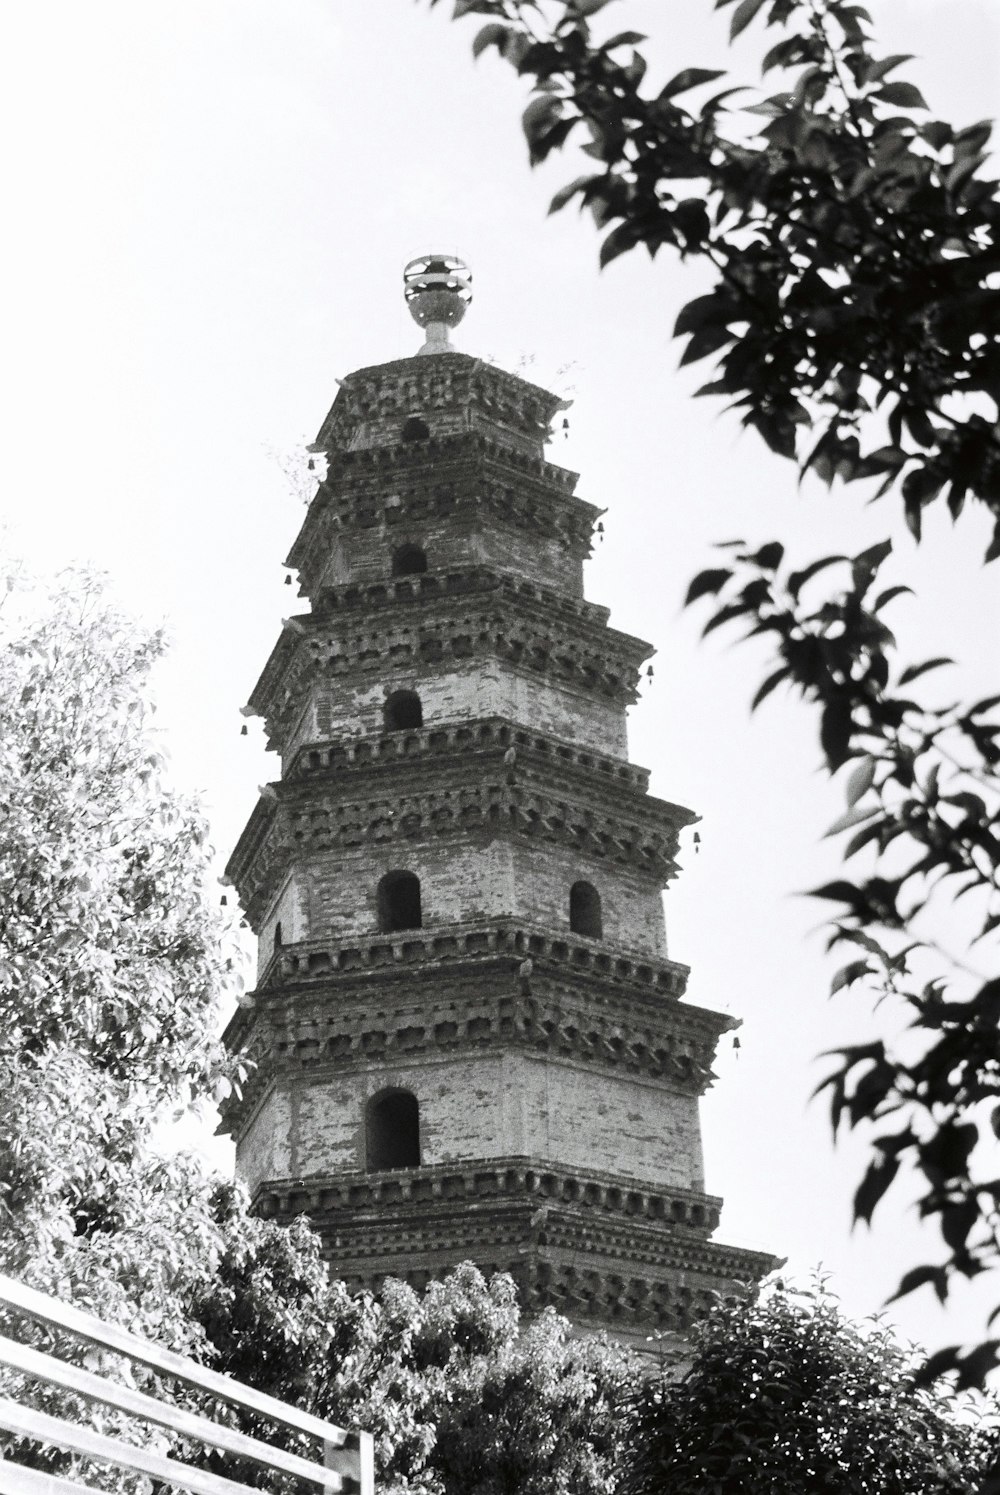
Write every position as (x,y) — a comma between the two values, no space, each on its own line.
(208,205)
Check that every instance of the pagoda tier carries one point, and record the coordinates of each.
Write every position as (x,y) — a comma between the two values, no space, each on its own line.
(467,1039)
(460,989)
(630,1260)
(450,394)
(475,501)
(470,640)
(458,782)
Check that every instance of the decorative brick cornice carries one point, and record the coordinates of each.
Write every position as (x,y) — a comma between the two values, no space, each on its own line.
(508,938)
(463,479)
(440,620)
(326,1010)
(433,586)
(319,1023)
(418,743)
(600,1248)
(372,399)
(473,789)
(376,464)
(600,1196)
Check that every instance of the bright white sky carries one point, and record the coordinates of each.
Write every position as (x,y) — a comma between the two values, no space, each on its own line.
(208,205)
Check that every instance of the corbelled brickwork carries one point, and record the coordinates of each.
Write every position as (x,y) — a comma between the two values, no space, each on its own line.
(468,1039)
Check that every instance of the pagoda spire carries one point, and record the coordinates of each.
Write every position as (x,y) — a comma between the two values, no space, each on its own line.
(438,291)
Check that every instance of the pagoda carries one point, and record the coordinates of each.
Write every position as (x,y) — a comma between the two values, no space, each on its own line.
(468,1041)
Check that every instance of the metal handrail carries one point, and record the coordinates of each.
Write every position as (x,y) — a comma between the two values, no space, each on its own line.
(348,1456)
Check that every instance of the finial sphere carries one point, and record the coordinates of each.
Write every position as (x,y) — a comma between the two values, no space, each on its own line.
(438,288)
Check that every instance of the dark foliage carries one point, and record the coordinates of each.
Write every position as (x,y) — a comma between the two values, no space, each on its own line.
(854,318)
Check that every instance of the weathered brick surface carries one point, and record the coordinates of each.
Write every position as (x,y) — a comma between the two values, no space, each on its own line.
(463,882)
(491,1107)
(367,555)
(462,692)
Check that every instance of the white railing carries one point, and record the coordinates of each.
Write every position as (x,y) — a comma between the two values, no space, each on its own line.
(347,1466)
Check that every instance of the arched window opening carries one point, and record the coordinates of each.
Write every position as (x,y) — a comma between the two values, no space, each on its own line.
(392,1131)
(415,429)
(409,560)
(585,910)
(402,710)
(278,941)
(399,902)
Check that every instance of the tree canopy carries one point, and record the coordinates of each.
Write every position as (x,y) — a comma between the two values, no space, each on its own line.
(785,1393)
(854,246)
(115,962)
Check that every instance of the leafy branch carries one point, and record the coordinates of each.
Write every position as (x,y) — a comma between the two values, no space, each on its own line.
(923,807)
(855,245)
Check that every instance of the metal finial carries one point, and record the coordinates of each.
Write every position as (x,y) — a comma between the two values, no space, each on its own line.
(438,288)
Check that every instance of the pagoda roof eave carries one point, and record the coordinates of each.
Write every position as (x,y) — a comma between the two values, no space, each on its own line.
(489,589)
(546,402)
(277,664)
(253,835)
(388,459)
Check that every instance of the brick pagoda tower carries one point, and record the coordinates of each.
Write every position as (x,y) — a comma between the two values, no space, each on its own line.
(469,1041)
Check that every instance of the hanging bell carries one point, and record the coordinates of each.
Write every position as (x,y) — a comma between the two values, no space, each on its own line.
(223,901)
(243,730)
(736,1044)
(649,673)
(288,579)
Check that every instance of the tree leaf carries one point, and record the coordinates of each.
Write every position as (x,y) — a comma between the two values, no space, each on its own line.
(768,557)
(701,344)
(937,1276)
(850,818)
(705,311)
(724,615)
(565,194)
(624,39)
(874,70)
(743,15)
(877,1179)
(848,974)
(902,96)
(888,595)
(861,779)
(769,684)
(914,671)
(492,34)
(863,838)
(618,241)
(798,579)
(840,892)
(689,77)
(706,582)
(542,111)
(836,727)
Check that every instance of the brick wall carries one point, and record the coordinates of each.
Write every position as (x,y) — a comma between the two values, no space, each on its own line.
(291,909)
(462,881)
(365,556)
(486,1107)
(464,692)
